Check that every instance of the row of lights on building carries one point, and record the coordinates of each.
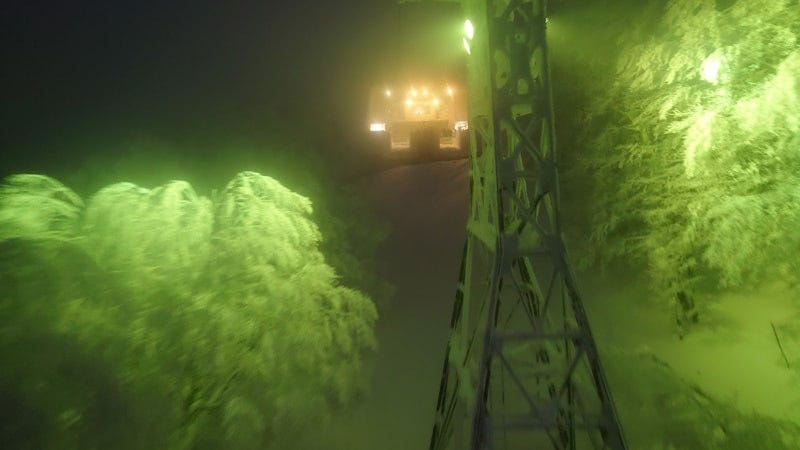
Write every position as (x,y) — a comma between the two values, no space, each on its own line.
(413,93)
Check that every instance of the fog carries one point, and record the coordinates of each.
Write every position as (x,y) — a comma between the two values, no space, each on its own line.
(147,92)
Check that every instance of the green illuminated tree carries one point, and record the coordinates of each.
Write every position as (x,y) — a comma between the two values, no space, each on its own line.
(695,147)
(226,307)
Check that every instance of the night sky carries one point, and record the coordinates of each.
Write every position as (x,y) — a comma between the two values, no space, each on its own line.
(84,79)
(84,74)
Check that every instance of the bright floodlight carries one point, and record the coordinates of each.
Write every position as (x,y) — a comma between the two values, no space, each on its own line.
(469,29)
(709,70)
(377,127)
(409,102)
(388,93)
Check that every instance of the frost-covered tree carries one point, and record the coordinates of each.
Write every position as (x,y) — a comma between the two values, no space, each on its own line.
(38,207)
(695,147)
(227,307)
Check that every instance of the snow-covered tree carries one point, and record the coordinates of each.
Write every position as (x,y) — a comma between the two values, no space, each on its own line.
(227,307)
(695,147)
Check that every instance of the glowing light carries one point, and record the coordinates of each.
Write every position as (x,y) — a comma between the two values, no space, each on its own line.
(409,102)
(462,125)
(388,93)
(425,92)
(469,29)
(449,91)
(466,46)
(377,127)
(413,92)
(709,70)
(435,102)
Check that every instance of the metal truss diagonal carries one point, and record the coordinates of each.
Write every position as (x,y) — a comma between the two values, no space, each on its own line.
(522,368)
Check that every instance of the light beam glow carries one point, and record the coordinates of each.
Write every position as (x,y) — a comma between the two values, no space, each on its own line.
(469,29)
(709,70)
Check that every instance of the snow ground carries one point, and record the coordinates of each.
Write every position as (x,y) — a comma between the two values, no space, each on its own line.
(732,353)
(426,207)
(724,386)
(726,379)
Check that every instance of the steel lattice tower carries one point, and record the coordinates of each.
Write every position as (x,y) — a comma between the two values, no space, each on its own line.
(522,369)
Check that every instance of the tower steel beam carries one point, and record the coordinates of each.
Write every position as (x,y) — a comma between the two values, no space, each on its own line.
(521,368)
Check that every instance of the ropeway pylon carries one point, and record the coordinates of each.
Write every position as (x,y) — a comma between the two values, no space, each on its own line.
(522,369)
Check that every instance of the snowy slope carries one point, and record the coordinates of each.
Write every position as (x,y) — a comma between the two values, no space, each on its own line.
(426,207)
(725,386)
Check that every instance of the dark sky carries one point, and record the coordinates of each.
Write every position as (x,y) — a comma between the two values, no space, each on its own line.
(83,76)
(111,68)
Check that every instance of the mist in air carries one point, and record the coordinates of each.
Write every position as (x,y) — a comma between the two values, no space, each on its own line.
(202,246)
